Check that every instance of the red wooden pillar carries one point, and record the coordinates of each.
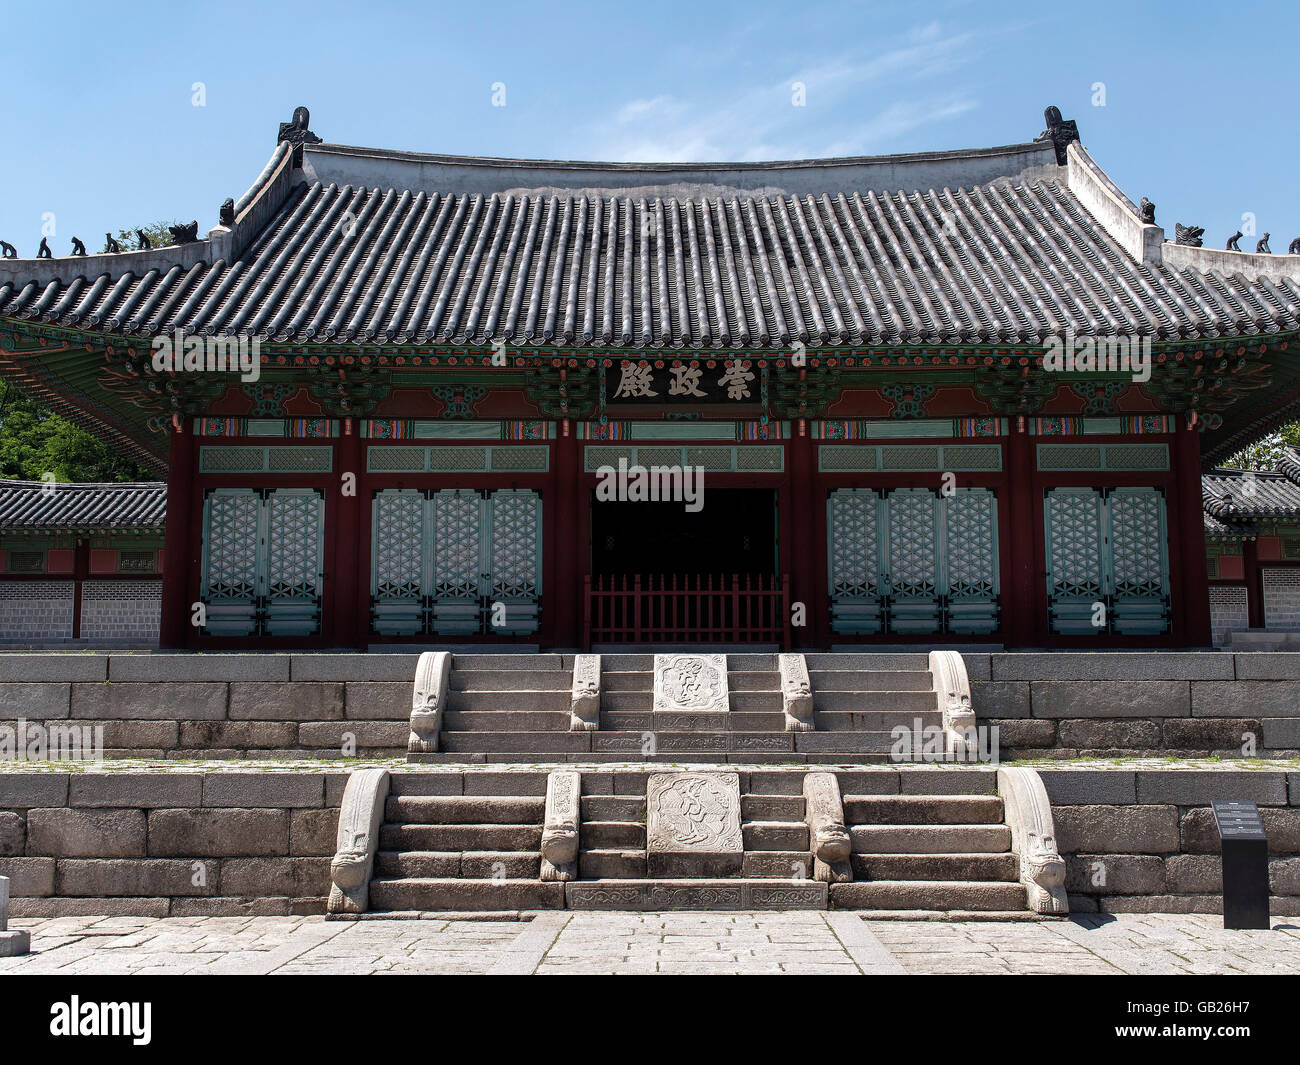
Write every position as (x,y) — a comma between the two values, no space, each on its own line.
(567,542)
(80,571)
(799,559)
(1021,625)
(349,621)
(1187,523)
(182,549)
(1254,587)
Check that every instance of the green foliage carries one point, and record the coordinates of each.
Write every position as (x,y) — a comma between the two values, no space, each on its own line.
(157,232)
(1263,454)
(34,441)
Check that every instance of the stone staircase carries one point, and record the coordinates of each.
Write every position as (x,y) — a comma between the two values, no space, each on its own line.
(516,708)
(508,707)
(481,851)
(929,852)
(462,852)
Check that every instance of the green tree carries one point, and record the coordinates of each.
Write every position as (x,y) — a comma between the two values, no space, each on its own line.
(157,232)
(34,441)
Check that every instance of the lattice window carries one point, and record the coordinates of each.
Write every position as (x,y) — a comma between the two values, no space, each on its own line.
(709,458)
(516,545)
(1069,457)
(519,459)
(398,545)
(232,537)
(231,459)
(395,459)
(1137,543)
(26,561)
(1137,457)
(457,459)
(1074,531)
(771,459)
(596,457)
(846,458)
(136,561)
(909,457)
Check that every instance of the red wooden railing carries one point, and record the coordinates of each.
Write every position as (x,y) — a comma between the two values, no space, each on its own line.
(673,608)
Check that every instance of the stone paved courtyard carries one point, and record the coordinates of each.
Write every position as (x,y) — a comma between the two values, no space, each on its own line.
(722,943)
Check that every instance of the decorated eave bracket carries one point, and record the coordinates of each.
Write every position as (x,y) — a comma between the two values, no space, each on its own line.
(348,391)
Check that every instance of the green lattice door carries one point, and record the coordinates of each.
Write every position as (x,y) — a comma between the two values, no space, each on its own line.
(262,553)
(1107,561)
(912,561)
(456,562)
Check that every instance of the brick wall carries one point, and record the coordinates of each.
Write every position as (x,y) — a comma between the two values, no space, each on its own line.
(120,610)
(35,610)
(1281,598)
(1228,610)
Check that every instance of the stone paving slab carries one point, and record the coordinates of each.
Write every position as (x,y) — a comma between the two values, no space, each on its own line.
(655,943)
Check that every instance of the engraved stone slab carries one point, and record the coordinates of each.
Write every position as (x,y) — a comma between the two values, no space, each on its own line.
(650,895)
(693,825)
(691,682)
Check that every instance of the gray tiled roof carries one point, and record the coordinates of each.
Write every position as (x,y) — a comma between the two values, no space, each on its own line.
(1234,499)
(33,505)
(1008,261)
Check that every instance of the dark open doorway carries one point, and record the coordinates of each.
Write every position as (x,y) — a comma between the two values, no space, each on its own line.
(734,533)
(663,575)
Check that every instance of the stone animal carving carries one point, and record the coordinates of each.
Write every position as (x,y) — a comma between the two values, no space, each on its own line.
(296,132)
(1189,235)
(828,837)
(560,826)
(77,247)
(43,252)
(1295,247)
(428,700)
(1042,867)
(1261,247)
(1232,242)
(1060,132)
(226,214)
(111,246)
(7,250)
(145,242)
(1147,210)
(584,699)
(185,234)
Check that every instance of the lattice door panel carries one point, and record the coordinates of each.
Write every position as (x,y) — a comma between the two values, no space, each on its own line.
(440,561)
(262,561)
(913,561)
(1107,561)
(970,558)
(853,560)
(233,553)
(913,566)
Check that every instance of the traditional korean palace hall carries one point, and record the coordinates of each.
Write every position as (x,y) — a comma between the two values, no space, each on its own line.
(388,390)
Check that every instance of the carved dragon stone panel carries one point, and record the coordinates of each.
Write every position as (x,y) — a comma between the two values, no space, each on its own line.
(691,682)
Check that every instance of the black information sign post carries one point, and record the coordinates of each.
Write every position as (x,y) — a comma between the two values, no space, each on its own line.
(1245,864)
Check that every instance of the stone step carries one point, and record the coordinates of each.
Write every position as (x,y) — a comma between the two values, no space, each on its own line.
(611,864)
(491,680)
(613,807)
(1005,867)
(738,893)
(506,721)
(627,663)
(754,680)
(626,700)
(771,807)
(912,702)
(465,837)
(531,743)
(751,662)
(508,661)
(980,895)
(778,864)
(844,741)
(697,743)
(867,661)
(930,839)
(876,720)
(853,680)
(922,809)
(775,835)
(757,720)
(621,681)
(501,785)
(454,864)
(766,700)
(458,810)
(522,699)
(604,835)
(442,893)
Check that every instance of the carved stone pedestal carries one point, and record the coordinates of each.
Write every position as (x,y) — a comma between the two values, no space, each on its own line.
(691,683)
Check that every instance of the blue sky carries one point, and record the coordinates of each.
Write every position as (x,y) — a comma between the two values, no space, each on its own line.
(99,128)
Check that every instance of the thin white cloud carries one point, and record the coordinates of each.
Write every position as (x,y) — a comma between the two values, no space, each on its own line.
(761,121)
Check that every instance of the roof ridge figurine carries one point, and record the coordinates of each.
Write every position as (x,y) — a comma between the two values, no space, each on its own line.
(43,252)
(1190,236)
(1232,242)
(77,247)
(112,247)
(1147,210)
(1262,246)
